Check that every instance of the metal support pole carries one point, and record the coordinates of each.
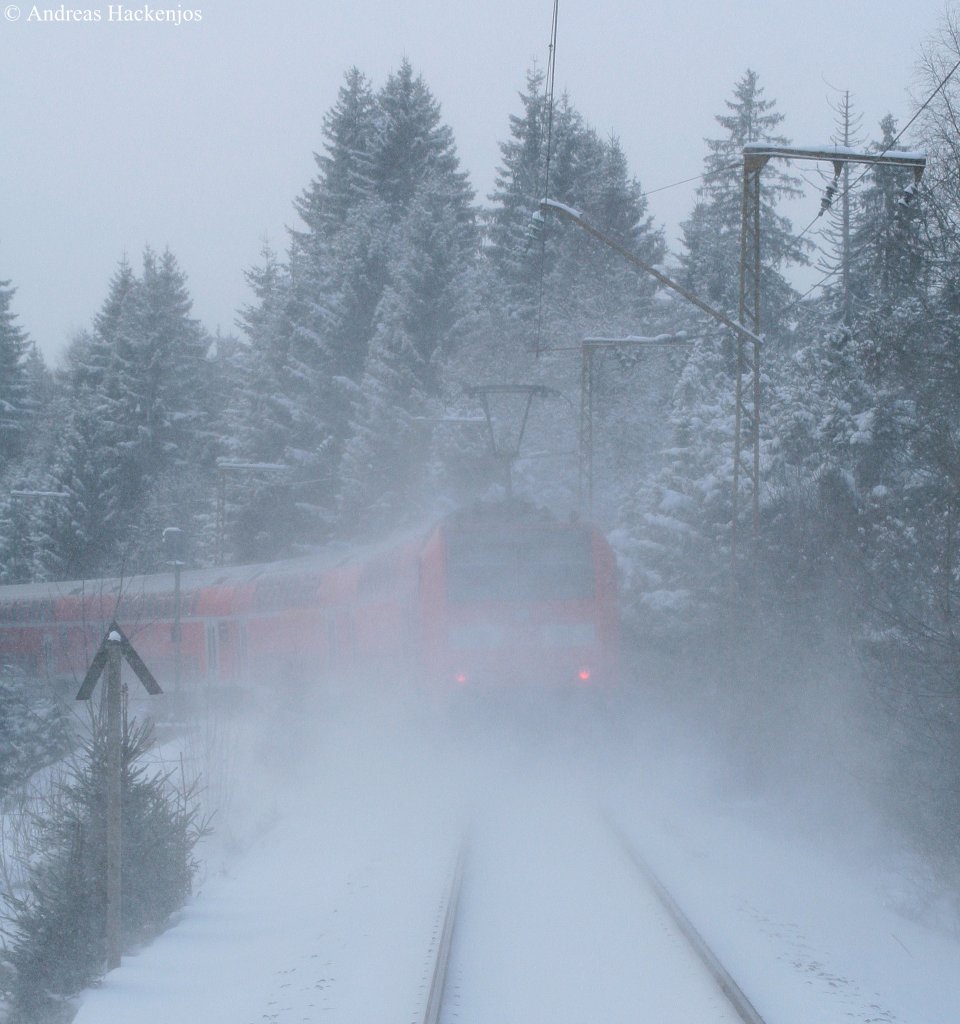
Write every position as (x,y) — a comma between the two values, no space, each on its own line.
(114,780)
(747,428)
(585,481)
(845,252)
(747,387)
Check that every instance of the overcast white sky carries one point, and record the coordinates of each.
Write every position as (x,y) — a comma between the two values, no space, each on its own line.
(199,136)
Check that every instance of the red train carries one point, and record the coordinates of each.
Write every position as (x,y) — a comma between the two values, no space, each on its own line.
(493,596)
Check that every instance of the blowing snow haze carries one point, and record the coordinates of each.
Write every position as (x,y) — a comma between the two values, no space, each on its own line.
(483,531)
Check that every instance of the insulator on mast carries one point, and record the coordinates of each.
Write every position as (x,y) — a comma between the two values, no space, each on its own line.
(908,195)
(827,201)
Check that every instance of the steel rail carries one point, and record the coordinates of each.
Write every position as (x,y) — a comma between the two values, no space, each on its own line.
(438,980)
(735,995)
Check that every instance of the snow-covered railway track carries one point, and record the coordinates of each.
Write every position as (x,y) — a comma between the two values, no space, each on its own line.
(443,942)
(737,998)
(667,972)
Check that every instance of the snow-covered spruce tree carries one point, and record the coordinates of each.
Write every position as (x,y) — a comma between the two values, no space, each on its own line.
(17,541)
(836,235)
(913,539)
(17,412)
(711,236)
(414,147)
(937,136)
(135,408)
(389,213)
(384,462)
(56,928)
(675,529)
(423,199)
(14,397)
(419,321)
(335,265)
(888,262)
(586,287)
(167,407)
(820,472)
(74,535)
(513,235)
(381,154)
(673,537)
(20,515)
(587,291)
(258,419)
(34,726)
(345,169)
(840,405)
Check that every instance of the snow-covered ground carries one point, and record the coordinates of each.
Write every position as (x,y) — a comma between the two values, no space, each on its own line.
(324,880)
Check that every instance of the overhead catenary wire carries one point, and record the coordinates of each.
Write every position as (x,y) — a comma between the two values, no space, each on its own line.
(545,190)
(941,85)
(706,175)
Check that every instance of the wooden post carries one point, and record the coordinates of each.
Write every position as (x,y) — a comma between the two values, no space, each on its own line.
(112,696)
(114,647)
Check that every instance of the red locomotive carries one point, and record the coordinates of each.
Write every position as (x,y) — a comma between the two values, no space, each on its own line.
(495,596)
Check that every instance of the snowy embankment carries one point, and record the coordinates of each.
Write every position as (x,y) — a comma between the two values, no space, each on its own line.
(325,908)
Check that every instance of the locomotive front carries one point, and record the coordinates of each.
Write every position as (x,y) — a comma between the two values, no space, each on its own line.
(522,600)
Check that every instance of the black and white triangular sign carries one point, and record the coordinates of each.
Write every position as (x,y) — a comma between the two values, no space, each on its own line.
(100,661)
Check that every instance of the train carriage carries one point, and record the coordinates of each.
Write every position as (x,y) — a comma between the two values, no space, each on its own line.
(496,596)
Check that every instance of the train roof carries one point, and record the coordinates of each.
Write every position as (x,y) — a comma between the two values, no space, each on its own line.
(496,515)
(508,513)
(331,557)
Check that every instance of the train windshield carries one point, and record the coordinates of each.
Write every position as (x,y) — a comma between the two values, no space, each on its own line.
(529,565)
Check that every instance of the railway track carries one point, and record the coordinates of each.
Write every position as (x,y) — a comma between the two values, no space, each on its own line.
(736,1006)
(444,942)
(745,1010)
